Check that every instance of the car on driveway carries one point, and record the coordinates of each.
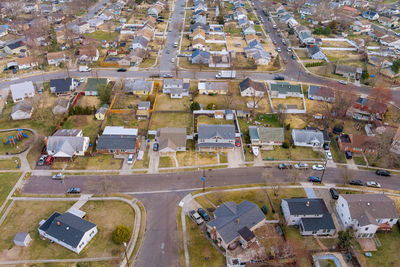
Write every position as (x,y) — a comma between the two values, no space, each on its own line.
(284,166)
(203,214)
(356,182)
(42,160)
(155,147)
(382,172)
(326,146)
(196,217)
(301,166)
(58,176)
(237,141)
(328,154)
(130,159)
(293,56)
(348,155)
(49,160)
(318,167)
(73,190)
(314,179)
(334,193)
(373,184)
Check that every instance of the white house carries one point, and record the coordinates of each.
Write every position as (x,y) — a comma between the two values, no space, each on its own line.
(81,27)
(314,52)
(22,111)
(68,230)
(308,138)
(266,137)
(310,214)
(283,90)
(55,58)
(66,143)
(176,88)
(20,91)
(212,137)
(22,239)
(367,213)
(248,87)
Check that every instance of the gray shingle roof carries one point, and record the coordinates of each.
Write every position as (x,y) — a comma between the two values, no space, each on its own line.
(61,85)
(65,144)
(231,218)
(306,206)
(23,106)
(284,88)
(21,90)
(67,228)
(133,85)
(315,224)
(207,131)
(258,86)
(116,142)
(266,133)
(307,136)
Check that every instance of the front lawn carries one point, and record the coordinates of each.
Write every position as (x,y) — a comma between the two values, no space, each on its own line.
(359,160)
(166,162)
(104,162)
(201,252)
(337,155)
(191,158)
(305,153)
(7,182)
(142,164)
(278,153)
(177,120)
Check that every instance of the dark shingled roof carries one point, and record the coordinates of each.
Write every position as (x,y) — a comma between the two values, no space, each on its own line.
(61,85)
(299,206)
(246,234)
(315,224)
(66,227)
(116,142)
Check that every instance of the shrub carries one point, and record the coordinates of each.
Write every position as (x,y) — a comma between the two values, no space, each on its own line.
(194,106)
(285,145)
(121,234)
(315,64)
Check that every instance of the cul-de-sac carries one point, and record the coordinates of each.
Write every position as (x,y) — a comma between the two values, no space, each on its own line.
(152,133)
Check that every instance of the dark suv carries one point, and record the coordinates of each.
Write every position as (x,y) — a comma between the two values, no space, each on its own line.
(334,193)
(203,214)
(382,173)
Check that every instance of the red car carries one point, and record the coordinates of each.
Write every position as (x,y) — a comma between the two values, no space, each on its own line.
(237,141)
(49,160)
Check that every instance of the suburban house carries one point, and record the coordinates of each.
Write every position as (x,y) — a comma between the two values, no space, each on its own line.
(213,137)
(138,86)
(370,15)
(15,48)
(310,214)
(171,140)
(396,142)
(118,140)
(101,112)
(61,106)
(88,54)
(93,84)
(367,213)
(21,111)
(199,44)
(55,58)
(20,91)
(67,143)
(390,41)
(62,86)
(206,88)
(266,137)
(249,87)
(314,52)
(68,230)
(25,63)
(367,109)
(361,26)
(156,9)
(348,71)
(283,90)
(176,88)
(139,42)
(321,93)
(356,143)
(308,138)
(200,57)
(235,223)
(81,27)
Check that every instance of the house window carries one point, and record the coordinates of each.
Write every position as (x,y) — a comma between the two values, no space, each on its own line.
(314,232)
(391,220)
(366,228)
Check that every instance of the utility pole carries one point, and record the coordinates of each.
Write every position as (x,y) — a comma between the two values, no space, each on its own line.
(323,171)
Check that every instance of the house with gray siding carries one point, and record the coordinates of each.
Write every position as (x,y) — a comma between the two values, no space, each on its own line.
(283,90)
(214,137)
(266,137)
(310,214)
(308,138)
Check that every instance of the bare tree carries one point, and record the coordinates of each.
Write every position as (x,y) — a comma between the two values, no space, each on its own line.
(281,113)
(383,145)
(254,100)
(346,175)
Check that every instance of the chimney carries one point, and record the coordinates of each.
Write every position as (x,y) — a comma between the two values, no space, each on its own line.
(308,203)
(237,220)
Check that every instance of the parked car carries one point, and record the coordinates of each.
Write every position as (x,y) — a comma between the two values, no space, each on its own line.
(356,182)
(289,49)
(196,217)
(237,141)
(382,173)
(314,179)
(274,42)
(373,184)
(130,159)
(155,147)
(49,160)
(328,154)
(73,190)
(167,75)
(42,160)
(121,70)
(278,49)
(293,56)
(343,82)
(58,176)
(301,166)
(279,78)
(334,193)
(348,155)
(283,166)
(318,167)
(326,146)
(203,214)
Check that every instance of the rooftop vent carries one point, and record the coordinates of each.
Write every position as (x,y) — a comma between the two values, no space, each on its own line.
(308,203)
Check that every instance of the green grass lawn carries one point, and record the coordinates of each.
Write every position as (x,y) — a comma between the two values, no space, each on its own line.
(166,162)
(337,155)
(105,162)
(305,153)
(9,164)
(7,182)
(223,158)
(249,156)
(142,164)
(202,119)
(21,145)
(200,248)
(387,254)
(101,35)
(359,160)
(161,120)
(25,216)
(269,120)
(278,153)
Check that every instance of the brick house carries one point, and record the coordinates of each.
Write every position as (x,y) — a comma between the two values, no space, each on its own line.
(357,143)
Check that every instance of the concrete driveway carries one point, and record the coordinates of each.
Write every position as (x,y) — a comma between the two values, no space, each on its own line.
(154,159)
(235,158)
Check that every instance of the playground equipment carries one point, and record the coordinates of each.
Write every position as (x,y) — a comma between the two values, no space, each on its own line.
(14,140)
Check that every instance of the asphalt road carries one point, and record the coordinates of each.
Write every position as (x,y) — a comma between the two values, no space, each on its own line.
(166,182)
